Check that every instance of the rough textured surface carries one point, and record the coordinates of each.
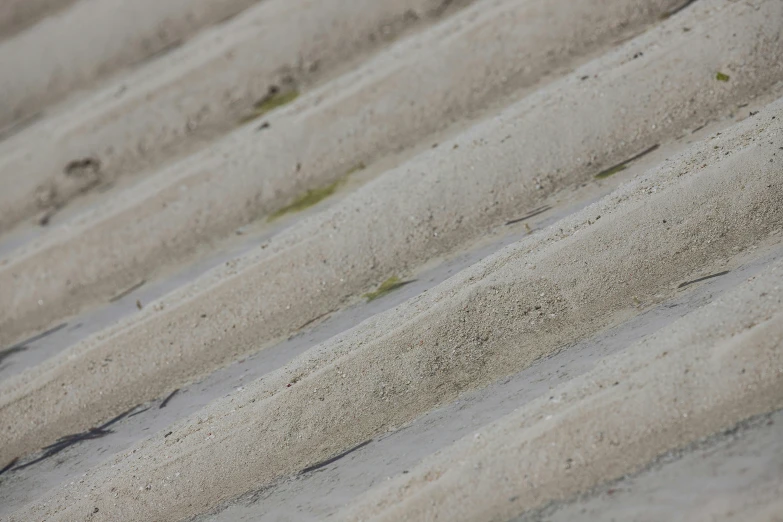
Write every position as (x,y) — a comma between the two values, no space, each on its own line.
(735,475)
(708,371)
(495,318)
(90,40)
(16,15)
(141,119)
(321,493)
(377,109)
(517,152)
(572,212)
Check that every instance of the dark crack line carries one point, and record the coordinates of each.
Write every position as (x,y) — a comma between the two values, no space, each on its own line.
(168,398)
(20,346)
(534,213)
(335,458)
(678,9)
(624,164)
(69,440)
(128,291)
(686,283)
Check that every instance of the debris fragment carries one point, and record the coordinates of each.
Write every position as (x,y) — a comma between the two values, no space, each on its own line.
(686,283)
(168,398)
(23,345)
(80,167)
(9,465)
(46,217)
(139,412)
(8,352)
(609,172)
(700,127)
(335,458)
(678,9)
(539,210)
(624,165)
(387,286)
(69,440)
(311,321)
(127,291)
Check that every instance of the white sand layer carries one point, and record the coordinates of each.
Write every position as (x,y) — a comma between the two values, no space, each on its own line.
(581,201)
(522,149)
(89,40)
(194,93)
(577,277)
(708,371)
(736,475)
(485,51)
(16,15)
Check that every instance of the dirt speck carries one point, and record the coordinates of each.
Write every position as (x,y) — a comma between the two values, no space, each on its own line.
(83,167)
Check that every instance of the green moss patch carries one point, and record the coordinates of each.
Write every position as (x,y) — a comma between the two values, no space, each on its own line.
(356,168)
(722,77)
(274,99)
(315,196)
(387,286)
(609,172)
(307,200)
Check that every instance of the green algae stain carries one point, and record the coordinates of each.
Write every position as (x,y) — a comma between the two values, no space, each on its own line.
(273,100)
(314,196)
(356,168)
(307,200)
(387,286)
(722,77)
(611,171)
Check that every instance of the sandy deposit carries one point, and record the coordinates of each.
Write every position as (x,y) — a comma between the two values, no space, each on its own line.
(625,100)
(319,494)
(179,345)
(143,118)
(152,117)
(93,39)
(491,320)
(710,370)
(531,103)
(16,15)
(734,475)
